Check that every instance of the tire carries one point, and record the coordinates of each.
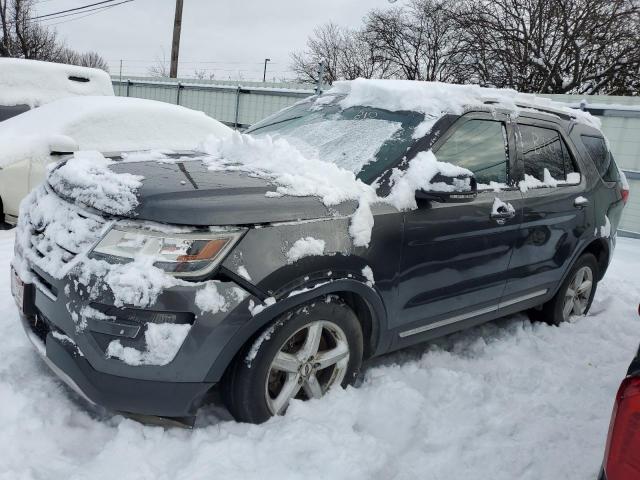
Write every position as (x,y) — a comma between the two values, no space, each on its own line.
(258,386)
(553,312)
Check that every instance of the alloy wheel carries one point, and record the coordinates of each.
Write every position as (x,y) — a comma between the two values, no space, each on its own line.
(578,292)
(309,363)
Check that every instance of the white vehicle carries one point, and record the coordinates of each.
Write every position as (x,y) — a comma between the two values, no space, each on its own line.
(26,84)
(34,140)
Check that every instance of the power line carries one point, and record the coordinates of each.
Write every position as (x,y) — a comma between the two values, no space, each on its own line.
(84,11)
(102,9)
(72,9)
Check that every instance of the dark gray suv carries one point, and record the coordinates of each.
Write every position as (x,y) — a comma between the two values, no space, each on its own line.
(266,296)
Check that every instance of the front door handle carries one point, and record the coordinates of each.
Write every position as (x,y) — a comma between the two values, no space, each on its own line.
(580,202)
(503,213)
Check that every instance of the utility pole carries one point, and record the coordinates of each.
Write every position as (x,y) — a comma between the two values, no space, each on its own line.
(120,82)
(264,75)
(175,46)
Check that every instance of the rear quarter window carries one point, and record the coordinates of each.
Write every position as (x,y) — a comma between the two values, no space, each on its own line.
(603,160)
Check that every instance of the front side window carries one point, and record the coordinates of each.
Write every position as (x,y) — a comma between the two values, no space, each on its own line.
(479,146)
(543,150)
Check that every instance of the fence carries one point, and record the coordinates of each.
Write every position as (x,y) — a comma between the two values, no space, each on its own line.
(236,105)
(240,104)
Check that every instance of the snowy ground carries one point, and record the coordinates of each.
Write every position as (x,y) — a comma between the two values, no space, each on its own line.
(509,400)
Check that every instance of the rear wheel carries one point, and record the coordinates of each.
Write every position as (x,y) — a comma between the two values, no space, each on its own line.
(575,294)
(302,355)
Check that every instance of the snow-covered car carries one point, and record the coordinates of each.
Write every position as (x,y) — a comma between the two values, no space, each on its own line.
(272,264)
(622,453)
(27,84)
(33,141)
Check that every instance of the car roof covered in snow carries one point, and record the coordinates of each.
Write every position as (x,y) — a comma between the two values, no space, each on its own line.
(436,99)
(34,83)
(105,124)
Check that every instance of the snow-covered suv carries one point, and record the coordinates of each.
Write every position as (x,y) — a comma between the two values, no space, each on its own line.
(270,265)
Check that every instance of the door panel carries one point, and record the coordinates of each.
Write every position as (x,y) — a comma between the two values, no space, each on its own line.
(456,256)
(552,221)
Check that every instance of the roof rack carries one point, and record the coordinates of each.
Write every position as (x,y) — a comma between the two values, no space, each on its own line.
(534,106)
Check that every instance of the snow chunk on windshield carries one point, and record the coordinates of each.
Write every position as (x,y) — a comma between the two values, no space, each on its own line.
(305,247)
(163,342)
(87,179)
(349,143)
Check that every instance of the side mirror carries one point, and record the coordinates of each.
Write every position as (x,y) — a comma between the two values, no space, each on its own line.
(443,189)
(61,144)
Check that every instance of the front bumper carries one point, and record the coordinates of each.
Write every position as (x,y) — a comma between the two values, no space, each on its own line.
(121,394)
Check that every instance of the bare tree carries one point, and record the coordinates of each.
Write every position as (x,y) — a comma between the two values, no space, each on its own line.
(345,54)
(421,40)
(554,46)
(160,68)
(23,37)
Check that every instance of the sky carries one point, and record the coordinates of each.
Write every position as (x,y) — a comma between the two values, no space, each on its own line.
(229,37)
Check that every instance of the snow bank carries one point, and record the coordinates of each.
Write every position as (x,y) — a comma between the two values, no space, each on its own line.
(105,124)
(163,342)
(34,83)
(444,407)
(305,247)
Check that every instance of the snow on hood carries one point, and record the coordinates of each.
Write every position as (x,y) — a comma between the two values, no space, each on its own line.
(294,174)
(105,124)
(34,83)
(87,179)
(435,98)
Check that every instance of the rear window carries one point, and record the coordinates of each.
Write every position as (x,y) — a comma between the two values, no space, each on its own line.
(601,157)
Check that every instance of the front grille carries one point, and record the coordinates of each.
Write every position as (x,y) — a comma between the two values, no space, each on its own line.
(52,231)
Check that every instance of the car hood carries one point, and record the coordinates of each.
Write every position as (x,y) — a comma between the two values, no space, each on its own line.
(188,193)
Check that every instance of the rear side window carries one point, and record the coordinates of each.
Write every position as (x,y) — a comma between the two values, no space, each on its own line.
(544,149)
(480,146)
(602,158)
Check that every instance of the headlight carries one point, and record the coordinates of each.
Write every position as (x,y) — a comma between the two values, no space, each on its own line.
(181,254)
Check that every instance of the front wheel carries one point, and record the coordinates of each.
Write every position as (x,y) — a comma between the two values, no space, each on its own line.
(301,356)
(575,294)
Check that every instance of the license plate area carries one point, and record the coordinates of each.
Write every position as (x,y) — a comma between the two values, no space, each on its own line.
(22,294)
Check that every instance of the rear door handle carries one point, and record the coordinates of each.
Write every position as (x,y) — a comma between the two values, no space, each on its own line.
(580,202)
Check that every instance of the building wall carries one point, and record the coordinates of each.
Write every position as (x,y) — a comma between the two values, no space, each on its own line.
(240,104)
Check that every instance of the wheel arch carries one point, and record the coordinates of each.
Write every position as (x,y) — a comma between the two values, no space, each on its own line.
(364,300)
(600,249)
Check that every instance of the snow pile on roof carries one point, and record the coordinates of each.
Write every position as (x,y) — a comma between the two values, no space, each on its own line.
(435,98)
(105,124)
(34,83)
(87,179)
(163,342)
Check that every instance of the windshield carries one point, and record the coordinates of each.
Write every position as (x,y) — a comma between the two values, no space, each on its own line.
(361,139)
